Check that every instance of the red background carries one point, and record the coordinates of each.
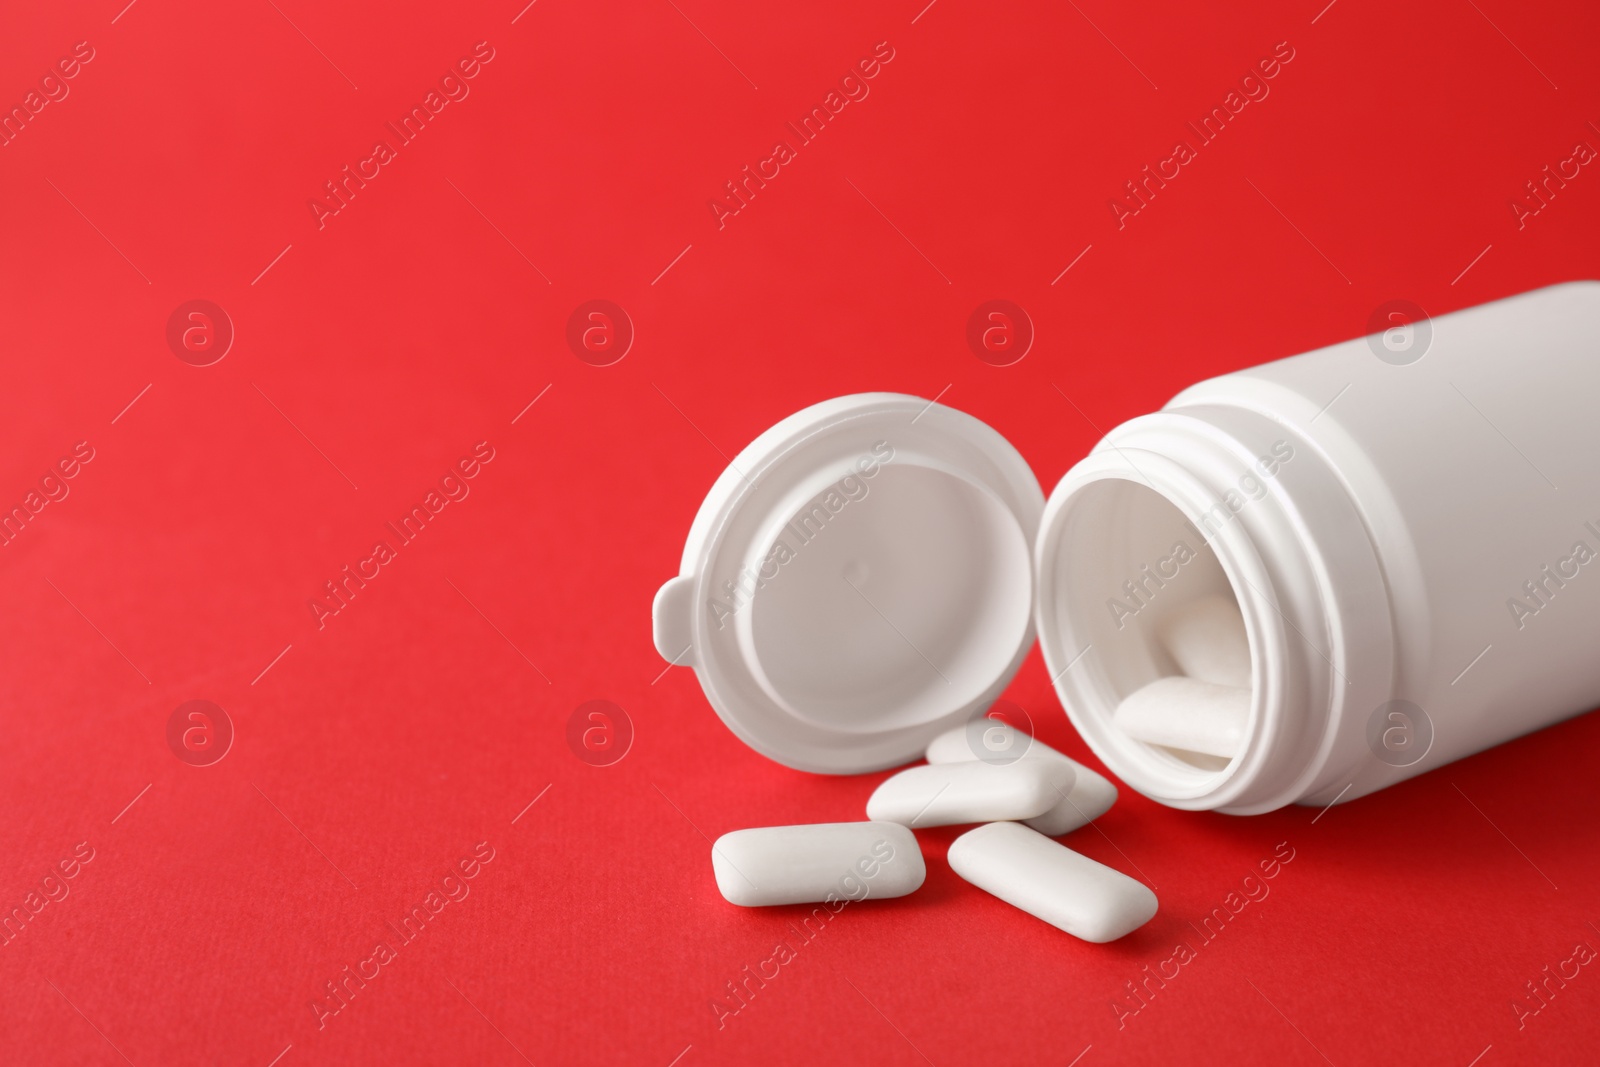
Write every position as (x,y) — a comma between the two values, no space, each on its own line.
(376,350)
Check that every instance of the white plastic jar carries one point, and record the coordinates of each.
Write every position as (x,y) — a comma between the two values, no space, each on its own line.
(1410,524)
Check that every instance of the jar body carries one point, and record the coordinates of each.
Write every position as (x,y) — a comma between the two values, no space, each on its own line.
(1420,577)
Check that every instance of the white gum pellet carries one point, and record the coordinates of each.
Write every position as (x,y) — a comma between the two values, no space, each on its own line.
(1188,714)
(1090,797)
(1206,638)
(947,794)
(1050,881)
(817,863)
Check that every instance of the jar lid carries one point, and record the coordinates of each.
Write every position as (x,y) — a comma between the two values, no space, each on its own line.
(857,581)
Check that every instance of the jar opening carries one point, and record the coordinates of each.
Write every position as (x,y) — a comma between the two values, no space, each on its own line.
(1126,543)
